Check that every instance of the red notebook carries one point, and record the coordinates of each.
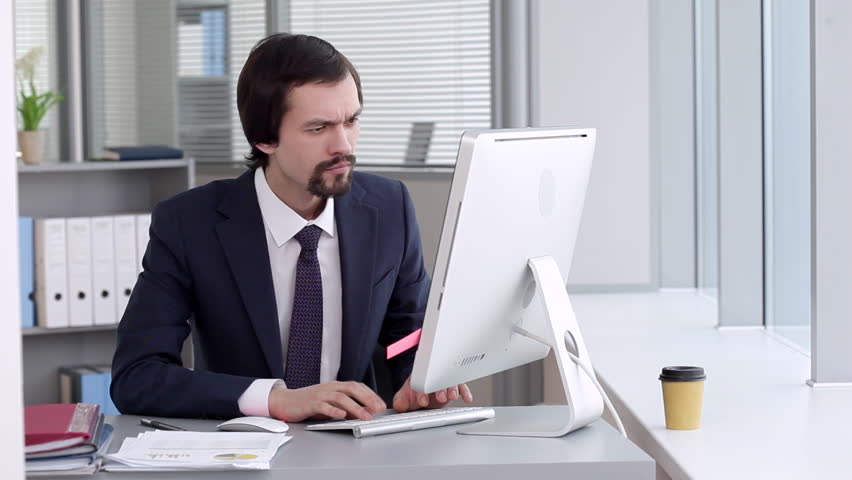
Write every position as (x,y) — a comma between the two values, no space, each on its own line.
(53,426)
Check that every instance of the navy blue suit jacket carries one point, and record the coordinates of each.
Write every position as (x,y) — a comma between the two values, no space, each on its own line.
(207,271)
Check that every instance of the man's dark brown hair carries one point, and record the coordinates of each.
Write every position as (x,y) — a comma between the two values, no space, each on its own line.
(275,65)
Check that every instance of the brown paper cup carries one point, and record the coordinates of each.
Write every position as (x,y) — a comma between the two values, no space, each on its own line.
(683,393)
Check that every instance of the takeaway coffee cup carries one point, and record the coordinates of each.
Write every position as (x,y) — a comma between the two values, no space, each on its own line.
(683,391)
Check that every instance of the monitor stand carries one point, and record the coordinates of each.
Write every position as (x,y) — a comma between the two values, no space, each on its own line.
(584,403)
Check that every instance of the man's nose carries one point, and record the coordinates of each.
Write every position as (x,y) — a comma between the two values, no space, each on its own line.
(340,144)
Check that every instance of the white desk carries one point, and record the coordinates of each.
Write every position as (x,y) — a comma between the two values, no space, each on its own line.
(760,419)
(597,451)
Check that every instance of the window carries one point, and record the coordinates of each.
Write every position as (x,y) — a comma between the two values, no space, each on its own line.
(425,70)
(166,73)
(204,106)
(34,28)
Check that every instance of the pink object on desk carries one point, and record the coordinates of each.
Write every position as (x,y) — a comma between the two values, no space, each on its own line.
(409,341)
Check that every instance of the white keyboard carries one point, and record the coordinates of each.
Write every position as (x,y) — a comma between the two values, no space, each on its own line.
(404,422)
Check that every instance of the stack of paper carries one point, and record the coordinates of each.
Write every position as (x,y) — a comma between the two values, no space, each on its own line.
(167,450)
(55,467)
(65,439)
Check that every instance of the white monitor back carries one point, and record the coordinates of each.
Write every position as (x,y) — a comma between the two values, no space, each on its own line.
(516,194)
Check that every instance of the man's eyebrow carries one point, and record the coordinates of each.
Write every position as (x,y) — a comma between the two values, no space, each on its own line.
(319,122)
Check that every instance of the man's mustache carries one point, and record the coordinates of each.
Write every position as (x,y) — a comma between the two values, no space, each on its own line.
(336,161)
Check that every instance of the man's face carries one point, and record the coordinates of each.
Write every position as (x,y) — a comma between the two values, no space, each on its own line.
(317,137)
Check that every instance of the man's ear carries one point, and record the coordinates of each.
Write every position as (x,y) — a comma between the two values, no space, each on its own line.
(267,148)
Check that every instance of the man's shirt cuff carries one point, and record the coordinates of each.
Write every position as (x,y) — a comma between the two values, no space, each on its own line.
(254,402)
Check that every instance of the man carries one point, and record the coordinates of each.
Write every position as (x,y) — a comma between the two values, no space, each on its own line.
(290,274)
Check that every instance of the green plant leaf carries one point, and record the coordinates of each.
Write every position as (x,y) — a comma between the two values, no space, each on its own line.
(32,105)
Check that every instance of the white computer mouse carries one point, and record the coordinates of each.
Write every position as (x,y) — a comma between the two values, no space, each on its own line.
(253,424)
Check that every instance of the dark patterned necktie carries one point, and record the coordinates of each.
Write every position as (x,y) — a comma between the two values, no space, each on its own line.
(304,348)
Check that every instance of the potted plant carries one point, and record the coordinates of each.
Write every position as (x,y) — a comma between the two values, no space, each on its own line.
(32,105)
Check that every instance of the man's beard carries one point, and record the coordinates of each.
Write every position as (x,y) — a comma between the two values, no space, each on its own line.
(341,182)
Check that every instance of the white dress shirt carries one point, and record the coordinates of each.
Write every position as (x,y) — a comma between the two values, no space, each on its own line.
(282,224)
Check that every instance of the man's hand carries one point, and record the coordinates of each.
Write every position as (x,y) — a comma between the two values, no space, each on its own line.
(407,399)
(326,400)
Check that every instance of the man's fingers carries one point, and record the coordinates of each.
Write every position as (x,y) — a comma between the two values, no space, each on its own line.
(344,402)
(401,402)
(422,399)
(330,411)
(366,397)
(465,393)
(453,393)
(441,396)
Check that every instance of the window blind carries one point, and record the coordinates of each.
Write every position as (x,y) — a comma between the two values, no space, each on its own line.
(425,66)
(113,110)
(246,27)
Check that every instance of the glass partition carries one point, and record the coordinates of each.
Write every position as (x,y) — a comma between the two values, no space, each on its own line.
(787,155)
(707,142)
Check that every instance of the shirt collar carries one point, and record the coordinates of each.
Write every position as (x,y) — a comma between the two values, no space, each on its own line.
(283,221)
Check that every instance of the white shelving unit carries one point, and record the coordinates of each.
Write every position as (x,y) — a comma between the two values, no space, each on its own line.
(86,189)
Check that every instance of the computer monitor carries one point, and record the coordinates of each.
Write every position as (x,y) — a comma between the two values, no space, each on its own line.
(498,297)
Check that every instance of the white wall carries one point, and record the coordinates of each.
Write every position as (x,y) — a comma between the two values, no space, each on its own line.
(11,401)
(592,70)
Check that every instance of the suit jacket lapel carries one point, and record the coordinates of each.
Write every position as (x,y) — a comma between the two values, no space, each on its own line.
(356,224)
(243,239)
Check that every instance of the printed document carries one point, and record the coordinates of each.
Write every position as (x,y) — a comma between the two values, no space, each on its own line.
(168,450)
